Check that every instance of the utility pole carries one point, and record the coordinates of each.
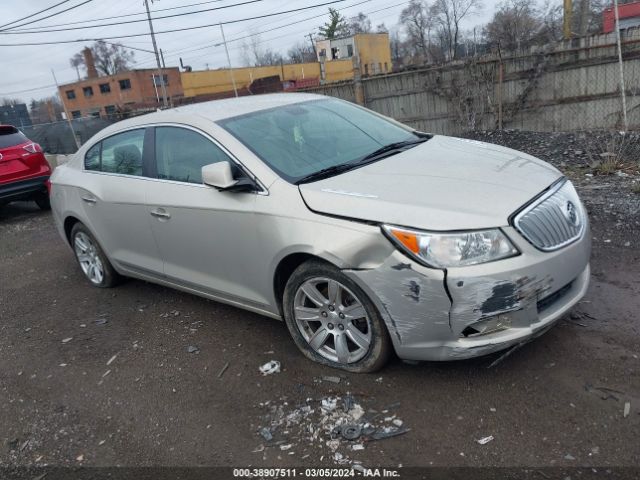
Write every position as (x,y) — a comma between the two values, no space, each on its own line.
(623,93)
(233,81)
(313,45)
(155,49)
(566,24)
(66,112)
(162,58)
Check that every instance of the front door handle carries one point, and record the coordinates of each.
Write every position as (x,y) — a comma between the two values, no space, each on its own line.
(90,200)
(161,213)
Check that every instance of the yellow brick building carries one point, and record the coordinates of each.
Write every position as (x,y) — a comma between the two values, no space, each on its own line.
(336,62)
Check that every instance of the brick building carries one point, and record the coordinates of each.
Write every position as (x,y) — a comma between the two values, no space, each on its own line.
(112,95)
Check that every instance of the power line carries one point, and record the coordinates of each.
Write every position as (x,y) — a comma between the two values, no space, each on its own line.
(54,14)
(111,17)
(28,90)
(228,22)
(34,14)
(180,52)
(130,21)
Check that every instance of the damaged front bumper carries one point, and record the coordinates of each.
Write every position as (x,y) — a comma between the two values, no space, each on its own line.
(471,311)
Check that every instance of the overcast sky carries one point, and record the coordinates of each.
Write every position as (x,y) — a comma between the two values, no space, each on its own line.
(26,70)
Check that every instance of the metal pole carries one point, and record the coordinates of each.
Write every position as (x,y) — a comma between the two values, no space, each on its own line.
(66,112)
(233,81)
(623,93)
(566,24)
(155,49)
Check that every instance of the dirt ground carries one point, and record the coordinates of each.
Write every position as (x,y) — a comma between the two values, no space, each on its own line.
(66,401)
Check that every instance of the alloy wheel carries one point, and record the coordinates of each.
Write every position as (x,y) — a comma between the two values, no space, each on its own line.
(89,258)
(332,320)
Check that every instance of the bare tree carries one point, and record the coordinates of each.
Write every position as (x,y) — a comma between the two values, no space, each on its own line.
(301,52)
(109,58)
(516,24)
(448,15)
(359,24)
(255,54)
(417,24)
(76,62)
(382,28)
(6,101)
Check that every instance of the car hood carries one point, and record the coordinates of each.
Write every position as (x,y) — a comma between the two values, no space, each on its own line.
(445,183)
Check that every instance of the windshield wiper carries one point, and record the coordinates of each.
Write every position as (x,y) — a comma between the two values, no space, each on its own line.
(391,148)
(326,172)
(378,154)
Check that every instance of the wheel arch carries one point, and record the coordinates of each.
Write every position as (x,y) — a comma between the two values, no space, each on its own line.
(69,222)
(286,266)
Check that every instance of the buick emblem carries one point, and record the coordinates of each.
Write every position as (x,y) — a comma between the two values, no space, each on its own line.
(571,214)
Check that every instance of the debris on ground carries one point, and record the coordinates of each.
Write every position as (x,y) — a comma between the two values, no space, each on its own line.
(67,340)
(506,354)
(332,427)
(193,349)
(485,440)
(605,393)
(331,379)
(110,361)
(270,367)
(627,409)
(100,321)
(223,369)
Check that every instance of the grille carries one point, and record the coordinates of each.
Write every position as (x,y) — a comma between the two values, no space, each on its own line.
(554,220)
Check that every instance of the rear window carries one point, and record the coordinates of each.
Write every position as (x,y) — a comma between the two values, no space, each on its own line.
(11,136)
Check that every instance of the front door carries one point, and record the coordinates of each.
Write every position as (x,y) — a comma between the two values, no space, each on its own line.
(206,237)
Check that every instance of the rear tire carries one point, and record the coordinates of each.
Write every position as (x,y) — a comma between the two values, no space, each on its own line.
(92,260)
(332,320)
(43,201)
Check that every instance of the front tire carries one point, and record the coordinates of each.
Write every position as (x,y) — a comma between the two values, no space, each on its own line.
(332,320)
(93,262)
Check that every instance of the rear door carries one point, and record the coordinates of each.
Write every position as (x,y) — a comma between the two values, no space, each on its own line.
(113,199)
(19,159)
(207,238)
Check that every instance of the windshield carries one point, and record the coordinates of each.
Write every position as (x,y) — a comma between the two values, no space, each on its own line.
(303,138)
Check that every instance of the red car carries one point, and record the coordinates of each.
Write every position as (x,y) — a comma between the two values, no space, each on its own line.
(24,170)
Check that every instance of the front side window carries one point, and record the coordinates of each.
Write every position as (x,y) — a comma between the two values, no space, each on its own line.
(181,154)
(121,153)
(299,139)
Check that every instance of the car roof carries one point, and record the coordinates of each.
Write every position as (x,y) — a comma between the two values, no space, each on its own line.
(232,107)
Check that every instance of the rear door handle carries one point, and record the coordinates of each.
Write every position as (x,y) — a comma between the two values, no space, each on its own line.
(160,213)
(90,200)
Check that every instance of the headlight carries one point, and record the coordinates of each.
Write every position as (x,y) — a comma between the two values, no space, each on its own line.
(443,250)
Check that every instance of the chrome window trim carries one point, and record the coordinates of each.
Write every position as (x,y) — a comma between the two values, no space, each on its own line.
(541,199)
(263,189)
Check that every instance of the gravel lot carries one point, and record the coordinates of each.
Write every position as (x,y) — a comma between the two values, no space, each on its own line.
(134,376)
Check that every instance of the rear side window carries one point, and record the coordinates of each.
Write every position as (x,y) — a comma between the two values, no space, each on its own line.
(11,136)
(121,153)
(181,154)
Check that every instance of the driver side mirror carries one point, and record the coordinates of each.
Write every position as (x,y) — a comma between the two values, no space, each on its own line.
(220,175)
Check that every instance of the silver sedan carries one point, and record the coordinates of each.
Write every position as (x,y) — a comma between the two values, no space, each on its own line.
(364,235)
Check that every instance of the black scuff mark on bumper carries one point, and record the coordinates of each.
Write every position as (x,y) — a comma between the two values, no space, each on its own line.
(414,289)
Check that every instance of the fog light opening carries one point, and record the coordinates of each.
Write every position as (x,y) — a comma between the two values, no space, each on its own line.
(487,326)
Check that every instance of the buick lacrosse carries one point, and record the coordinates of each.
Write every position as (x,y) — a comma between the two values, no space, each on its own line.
(364,235)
